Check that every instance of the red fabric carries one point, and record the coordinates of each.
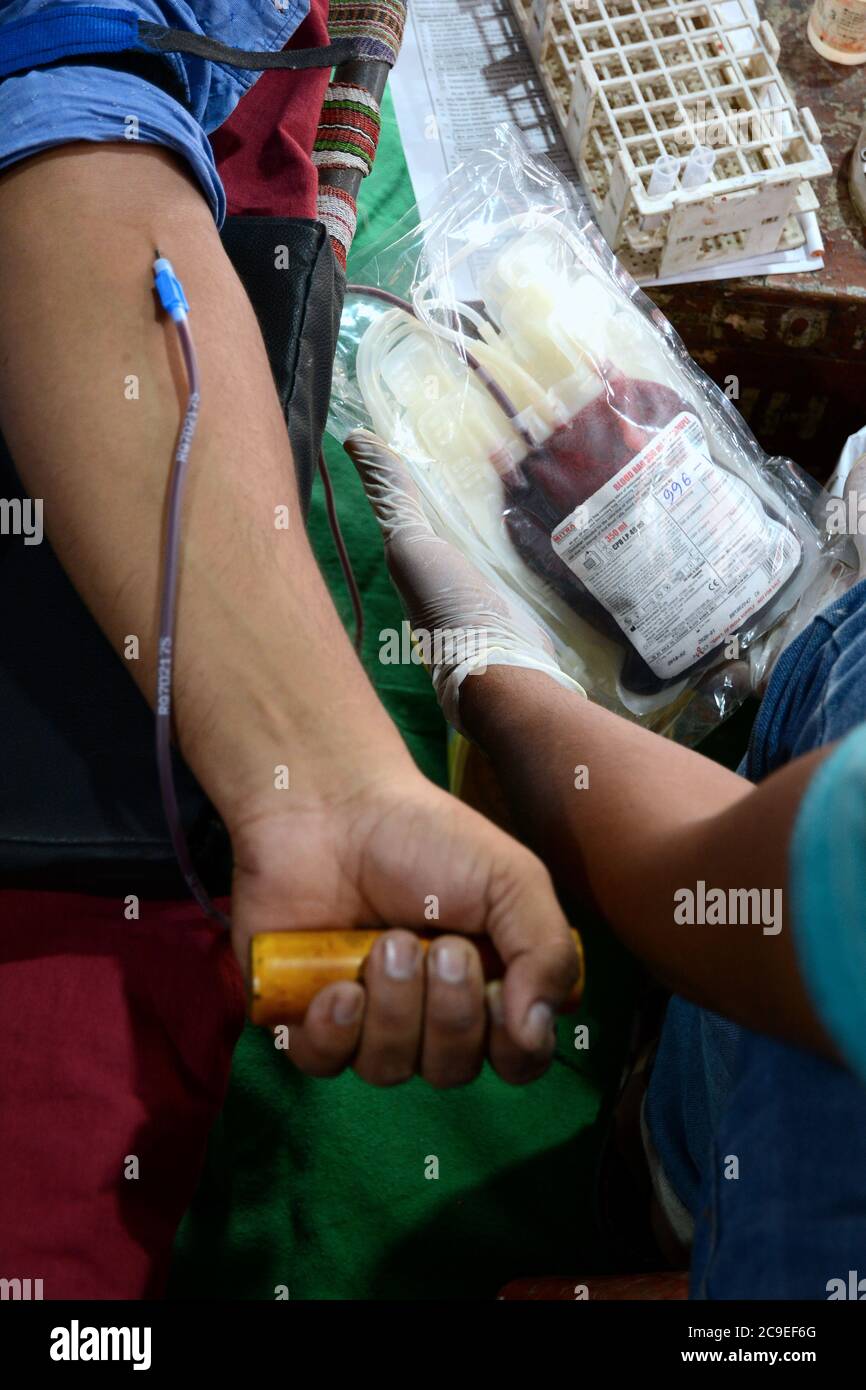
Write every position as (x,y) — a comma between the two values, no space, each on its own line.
(115,1040)
(263,151)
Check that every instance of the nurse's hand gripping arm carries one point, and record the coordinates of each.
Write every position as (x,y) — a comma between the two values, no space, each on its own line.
(264,673)
(655,818)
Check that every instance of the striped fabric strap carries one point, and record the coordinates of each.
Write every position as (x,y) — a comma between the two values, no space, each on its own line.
(380,22)
(338,213)
(349,127)
(348,130)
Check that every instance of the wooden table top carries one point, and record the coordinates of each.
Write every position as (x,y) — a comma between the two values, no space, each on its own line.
(795,343)
(836,96)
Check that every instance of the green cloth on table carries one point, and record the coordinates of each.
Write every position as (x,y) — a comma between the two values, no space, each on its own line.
(323,1186)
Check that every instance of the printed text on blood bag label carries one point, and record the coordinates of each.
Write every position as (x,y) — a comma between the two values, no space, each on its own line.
(679,551)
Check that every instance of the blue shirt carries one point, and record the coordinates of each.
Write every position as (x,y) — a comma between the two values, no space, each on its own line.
(79,101)
(828,881)
(817,696)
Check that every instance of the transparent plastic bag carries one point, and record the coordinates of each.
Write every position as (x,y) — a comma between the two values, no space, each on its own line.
(562,437)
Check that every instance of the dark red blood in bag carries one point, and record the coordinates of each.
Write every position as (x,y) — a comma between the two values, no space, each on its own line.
(569,468)
(580,457)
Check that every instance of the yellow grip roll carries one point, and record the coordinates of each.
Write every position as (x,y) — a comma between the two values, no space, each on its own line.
(287,969)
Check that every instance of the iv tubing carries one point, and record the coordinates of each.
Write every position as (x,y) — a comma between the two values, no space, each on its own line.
(505,403)
(168,597)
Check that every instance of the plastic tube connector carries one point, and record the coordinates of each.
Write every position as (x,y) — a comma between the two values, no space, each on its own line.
(663,179)
(169,289)
(699,166)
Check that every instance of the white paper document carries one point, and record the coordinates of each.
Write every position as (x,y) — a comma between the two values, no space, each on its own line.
(464,68)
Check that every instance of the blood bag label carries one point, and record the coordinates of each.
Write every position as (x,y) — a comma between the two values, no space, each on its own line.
(678,550)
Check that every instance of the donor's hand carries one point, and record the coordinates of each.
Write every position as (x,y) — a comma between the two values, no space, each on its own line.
(382,856)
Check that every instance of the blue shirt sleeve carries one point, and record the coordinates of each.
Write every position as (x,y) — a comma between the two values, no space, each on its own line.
(46,107)
(828,885)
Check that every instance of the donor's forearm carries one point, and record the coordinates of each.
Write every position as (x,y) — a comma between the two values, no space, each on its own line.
(92,391)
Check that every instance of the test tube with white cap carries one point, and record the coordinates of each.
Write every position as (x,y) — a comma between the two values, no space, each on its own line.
(663,180)
(698,166)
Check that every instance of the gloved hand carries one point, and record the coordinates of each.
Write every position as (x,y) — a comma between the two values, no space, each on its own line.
(467,622)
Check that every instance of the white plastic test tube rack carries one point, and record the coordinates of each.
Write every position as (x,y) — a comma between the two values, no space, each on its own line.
(684,134)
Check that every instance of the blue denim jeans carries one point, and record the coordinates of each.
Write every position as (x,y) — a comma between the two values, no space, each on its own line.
(765,1144)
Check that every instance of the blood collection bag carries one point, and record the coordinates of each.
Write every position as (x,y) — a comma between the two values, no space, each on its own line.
(624,513)
(559,433)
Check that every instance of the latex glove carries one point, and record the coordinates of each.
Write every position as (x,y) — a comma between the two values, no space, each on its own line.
(465,623)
